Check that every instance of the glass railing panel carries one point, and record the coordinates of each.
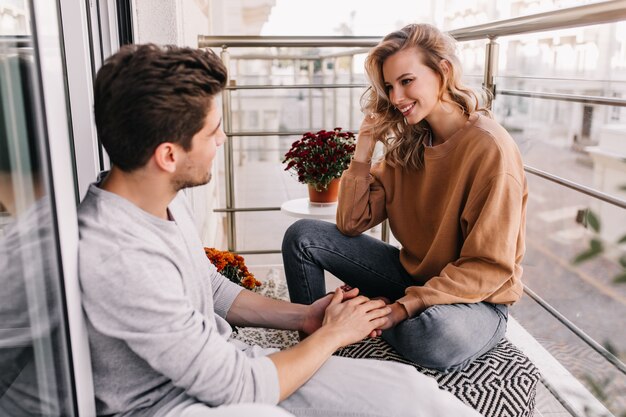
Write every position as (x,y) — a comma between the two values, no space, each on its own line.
(34,355)
(262,231)
(584,294)
(566,139)
(295,110)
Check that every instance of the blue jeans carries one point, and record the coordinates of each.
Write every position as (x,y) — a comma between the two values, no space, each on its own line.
(446,337)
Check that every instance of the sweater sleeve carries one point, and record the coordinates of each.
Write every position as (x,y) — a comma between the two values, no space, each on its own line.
(361,199)
(141,300)
(491,224)
(224,291)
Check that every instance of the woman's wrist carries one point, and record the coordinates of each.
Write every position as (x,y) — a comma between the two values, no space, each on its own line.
(399,312)
(364,149)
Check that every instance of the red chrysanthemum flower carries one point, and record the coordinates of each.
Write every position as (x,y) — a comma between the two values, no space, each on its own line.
(318,158)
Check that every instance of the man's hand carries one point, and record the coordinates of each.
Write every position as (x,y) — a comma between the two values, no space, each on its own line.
(315,313)
(350,321)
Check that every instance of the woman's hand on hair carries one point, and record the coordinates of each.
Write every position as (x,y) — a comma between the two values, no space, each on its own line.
(365,142)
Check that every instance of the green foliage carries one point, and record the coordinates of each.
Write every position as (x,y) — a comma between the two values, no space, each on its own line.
(596,246)
(620,279)
(592,221)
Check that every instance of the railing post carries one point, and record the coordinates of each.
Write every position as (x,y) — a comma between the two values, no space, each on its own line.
(296,66)
(229,167)
(335,92)
(351,92)
(242,150)
(384,231)
(491,67)
(323,72)
(310,73)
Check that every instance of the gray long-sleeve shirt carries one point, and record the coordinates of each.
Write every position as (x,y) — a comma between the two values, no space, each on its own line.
(155,309)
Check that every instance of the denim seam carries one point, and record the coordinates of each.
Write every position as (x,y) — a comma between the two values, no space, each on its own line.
(304,274)
(500,313)
(350,260)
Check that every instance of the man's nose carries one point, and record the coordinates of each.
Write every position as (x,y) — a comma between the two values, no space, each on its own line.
(221,138)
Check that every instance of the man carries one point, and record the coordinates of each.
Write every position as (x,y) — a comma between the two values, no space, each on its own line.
(157,311)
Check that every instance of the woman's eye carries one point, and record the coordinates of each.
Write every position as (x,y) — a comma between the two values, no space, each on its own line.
(406,81)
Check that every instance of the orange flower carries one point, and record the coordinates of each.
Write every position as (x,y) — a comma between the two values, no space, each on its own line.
(232,267)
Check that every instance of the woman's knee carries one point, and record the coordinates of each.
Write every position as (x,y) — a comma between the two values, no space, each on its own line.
(293,235)
(442,354)
(439,340)
(301,229)
(307,232)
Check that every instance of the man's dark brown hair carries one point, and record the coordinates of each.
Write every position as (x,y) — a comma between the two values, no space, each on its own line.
(146,95)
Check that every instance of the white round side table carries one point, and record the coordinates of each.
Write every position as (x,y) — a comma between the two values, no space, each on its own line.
(304,209)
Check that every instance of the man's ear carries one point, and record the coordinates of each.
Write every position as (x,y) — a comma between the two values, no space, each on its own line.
(166,156)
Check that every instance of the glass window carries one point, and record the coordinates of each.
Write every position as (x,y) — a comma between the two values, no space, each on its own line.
(34,358)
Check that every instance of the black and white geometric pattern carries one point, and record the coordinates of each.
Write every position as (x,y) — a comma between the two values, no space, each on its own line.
(501,383)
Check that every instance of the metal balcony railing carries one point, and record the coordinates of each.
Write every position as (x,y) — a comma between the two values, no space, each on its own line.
(593,14)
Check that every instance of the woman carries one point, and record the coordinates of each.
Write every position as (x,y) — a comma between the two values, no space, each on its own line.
(452,186)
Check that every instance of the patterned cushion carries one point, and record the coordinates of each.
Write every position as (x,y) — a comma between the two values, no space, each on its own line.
(501,383)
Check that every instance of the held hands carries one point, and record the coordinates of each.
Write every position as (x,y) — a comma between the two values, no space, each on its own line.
(315,315)
(352,320)
(398,312)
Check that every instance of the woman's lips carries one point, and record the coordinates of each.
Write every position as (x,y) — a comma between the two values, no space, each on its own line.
(406,109)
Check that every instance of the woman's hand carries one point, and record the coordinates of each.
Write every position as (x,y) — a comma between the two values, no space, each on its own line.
(352,320)
(365,142)
(314,316)
(397,314)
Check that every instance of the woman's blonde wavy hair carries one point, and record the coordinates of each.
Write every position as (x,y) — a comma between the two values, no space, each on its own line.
(404,144)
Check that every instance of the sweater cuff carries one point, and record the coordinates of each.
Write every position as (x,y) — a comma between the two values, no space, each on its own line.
(413,304)
(359,169)
(227,296)
(267,381)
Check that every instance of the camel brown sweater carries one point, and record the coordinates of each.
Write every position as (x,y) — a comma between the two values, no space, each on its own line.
(460,219)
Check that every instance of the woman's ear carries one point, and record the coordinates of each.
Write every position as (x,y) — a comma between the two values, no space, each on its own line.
(445,67)
(166,155)
(445,70)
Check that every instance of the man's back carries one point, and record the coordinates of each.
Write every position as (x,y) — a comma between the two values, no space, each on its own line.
(147,289)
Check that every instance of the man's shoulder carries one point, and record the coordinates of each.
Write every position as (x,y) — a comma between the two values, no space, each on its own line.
(110,229)
(100,217)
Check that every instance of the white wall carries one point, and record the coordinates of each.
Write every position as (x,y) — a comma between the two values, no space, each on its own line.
(179,22)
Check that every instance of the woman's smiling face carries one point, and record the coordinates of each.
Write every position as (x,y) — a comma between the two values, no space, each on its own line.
(412,87)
